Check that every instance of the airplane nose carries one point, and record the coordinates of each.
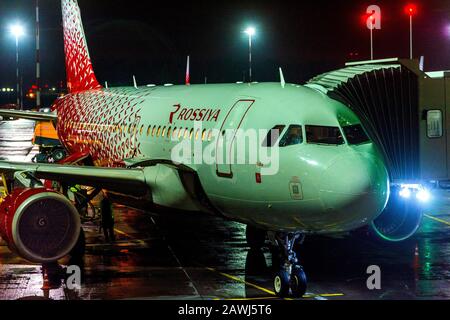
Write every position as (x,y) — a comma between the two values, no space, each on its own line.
(355,187)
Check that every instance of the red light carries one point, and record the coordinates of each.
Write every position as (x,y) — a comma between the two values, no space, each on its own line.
(411,9)
(368,18)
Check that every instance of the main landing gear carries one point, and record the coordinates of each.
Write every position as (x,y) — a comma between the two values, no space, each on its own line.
(289,278)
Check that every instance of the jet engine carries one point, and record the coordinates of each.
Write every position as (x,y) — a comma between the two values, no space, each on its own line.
(39,224)
(403,213)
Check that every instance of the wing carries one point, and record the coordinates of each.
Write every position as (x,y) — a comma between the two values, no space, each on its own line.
(135,181)
(29,115)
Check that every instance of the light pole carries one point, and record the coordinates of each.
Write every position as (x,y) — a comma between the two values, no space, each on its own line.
(372,22)
(17,31)
(250,31)
(411,10)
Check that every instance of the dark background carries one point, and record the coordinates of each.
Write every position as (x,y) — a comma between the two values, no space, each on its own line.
(151,39)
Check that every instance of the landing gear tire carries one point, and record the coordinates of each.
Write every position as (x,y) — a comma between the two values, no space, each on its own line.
(298,282)
(58,155)
(255,237)
(281,283)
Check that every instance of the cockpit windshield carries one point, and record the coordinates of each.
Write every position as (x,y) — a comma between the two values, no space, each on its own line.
(324,135)
(355,134)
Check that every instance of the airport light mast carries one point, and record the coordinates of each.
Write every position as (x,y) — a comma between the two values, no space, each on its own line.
(250,31)
(372,22)
(411,10)
(17,31)
(38,59)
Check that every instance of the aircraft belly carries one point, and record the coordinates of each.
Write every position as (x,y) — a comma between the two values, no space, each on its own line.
(307,216)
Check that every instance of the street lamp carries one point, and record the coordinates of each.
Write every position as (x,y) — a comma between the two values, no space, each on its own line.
(372,26)
(411,10)
(250,31)
(17,31)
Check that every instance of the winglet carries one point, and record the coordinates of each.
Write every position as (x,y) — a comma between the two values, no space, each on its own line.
(135,82)
(188,72)
(283,83)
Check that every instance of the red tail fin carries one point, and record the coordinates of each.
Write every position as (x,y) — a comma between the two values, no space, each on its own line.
(80,74)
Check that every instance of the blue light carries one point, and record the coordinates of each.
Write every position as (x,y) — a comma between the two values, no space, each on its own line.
(423,195)
(405,193)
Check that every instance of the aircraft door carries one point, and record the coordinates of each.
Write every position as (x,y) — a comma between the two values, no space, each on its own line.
(227,137)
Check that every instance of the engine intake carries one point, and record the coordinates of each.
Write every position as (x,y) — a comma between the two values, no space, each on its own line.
(40,225)
(400,219)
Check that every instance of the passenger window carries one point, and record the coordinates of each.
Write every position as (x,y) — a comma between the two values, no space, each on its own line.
(204,135)
(163,132)
(142,130)
(273,135)
(324,135)
(191,134)
(293,136)
(175,133)
(159,132)
(154,131)
(149,129)
(197,134)
(169,131)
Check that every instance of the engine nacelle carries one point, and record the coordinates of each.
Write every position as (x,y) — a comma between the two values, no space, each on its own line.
(40,225)
(402,215)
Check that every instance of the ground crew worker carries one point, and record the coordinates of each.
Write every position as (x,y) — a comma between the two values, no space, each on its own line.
(107,219)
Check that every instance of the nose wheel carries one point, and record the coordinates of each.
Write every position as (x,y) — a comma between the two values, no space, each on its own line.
(290,278)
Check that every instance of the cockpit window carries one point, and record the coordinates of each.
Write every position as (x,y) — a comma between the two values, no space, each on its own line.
(355,134)
(273,135)
(324,135)
(293,136)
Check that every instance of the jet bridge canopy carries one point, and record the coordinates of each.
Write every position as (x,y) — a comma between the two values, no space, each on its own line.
(403,109)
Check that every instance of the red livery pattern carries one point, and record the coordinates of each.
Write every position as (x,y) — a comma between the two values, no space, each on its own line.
(80,74)
(104,123)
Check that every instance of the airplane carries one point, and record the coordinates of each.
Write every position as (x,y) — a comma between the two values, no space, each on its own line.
(330,178)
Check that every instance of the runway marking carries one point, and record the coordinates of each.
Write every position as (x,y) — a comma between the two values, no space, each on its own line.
(437,219)
(177,260)
(129,236)
(306,296)
(229,276)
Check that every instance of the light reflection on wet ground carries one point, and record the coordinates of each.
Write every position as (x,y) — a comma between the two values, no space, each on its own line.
(202,257)
(193,256)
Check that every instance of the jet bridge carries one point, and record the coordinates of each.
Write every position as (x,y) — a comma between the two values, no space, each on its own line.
(405,111)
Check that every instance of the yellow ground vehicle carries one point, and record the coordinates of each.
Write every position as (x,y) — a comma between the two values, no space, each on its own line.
(46,137)
(3,188)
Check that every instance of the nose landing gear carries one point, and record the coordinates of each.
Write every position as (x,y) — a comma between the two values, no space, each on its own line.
(291,275)
(289,278)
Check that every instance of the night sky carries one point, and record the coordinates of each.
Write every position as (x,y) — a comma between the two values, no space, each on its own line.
(151,39)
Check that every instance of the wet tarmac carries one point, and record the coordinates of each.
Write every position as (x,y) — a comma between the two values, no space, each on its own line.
(202,257)
(194,256)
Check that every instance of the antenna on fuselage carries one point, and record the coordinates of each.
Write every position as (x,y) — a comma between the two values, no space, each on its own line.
(134,82)
(283,83)
(188,71)
(106,84)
